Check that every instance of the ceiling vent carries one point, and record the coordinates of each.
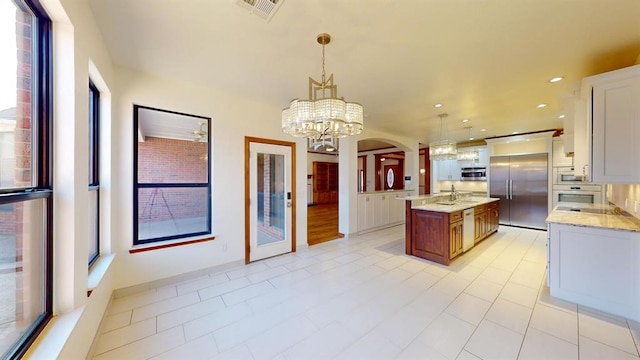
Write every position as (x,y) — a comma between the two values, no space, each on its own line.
(263,8)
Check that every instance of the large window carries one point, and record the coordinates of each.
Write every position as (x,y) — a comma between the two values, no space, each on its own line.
(94,174)
(25,175)
(172,191)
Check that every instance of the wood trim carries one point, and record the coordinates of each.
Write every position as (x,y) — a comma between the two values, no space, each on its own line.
(364,169)
(247,230)
(164,246)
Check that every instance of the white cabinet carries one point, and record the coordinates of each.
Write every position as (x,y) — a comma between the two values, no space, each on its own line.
(379,210)
(448,170)
(598,268)
(614,124)
(366,211)
(381,205)
(558,157)
(483,158)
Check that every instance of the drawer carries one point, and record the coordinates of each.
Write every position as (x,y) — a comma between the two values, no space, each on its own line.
(455,216)
(480,208)
(493,205)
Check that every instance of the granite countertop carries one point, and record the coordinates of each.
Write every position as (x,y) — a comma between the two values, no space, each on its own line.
(593,215)
(461,204)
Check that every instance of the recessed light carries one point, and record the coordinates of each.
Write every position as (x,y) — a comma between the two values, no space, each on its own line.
(437,105)
(382,159)
(556,79)
(540,106)
(465,120)
(483,129)
(471,138)
(561,116)
(515,132)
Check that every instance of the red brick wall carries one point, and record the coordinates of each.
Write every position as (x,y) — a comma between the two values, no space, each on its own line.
(163,160)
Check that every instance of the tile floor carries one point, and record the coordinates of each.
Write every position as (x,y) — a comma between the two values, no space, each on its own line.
(362,298)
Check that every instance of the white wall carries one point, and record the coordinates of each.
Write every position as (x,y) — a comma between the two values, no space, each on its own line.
(311,157)
(233,118)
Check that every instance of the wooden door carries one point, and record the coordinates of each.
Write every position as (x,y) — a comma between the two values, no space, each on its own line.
(393,178)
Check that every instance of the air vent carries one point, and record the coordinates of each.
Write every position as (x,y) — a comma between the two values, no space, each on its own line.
(263,8)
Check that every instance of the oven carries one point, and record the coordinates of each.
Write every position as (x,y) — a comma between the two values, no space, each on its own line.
(585,194)
(473,174)
(563,175)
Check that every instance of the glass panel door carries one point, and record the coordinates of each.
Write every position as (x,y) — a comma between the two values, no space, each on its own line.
(270,200)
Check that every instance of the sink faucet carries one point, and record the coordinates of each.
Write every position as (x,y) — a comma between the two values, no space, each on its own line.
(454,194)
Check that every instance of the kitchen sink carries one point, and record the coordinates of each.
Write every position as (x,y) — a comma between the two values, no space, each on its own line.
(446,202)
(467,201)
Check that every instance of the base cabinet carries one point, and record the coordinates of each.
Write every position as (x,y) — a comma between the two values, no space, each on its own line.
(598,268)
(455,239)
(379,210)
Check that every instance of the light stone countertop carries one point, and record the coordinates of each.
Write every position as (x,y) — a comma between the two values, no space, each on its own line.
(609,219)
(461,204)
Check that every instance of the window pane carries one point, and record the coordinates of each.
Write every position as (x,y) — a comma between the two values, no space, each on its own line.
(163,160)
(93,224)
(21,268)
(16,106)
(169,212)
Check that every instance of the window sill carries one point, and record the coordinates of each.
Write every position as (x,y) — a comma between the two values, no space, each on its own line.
(167,244)
(98,270)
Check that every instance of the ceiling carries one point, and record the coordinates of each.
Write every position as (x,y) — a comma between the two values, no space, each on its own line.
(488,61)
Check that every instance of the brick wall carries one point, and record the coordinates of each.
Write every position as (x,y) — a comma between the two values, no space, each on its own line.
(163,160)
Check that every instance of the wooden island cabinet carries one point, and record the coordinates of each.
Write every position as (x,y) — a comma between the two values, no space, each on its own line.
(436,232)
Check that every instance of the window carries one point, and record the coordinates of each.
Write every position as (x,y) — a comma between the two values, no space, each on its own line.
(25,175)
(172,191)
(94,174)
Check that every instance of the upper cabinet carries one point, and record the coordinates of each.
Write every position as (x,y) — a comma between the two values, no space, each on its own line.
(613,126)
(559,157)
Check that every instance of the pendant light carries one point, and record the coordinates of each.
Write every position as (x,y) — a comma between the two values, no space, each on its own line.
(443,149)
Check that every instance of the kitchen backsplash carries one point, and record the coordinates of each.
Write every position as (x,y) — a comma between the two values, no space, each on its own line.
(617,194)
(474,186)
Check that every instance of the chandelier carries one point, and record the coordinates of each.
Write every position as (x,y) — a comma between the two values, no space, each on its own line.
(324,117)
(470,154)
(442,149)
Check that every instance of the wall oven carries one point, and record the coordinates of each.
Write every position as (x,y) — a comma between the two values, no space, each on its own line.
(586,194)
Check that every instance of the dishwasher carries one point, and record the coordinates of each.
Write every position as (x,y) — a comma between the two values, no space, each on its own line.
(468,226)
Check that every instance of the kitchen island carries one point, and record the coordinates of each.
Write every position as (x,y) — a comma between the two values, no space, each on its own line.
(439,229)
(594,257)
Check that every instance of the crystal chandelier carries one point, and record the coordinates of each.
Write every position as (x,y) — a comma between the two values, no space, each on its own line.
(324,117)
(470,154)
(442,149)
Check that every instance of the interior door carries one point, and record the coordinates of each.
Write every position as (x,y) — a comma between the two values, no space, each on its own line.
(270,200)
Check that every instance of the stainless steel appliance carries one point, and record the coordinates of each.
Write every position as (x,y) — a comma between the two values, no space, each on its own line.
(521,184)
(563,175)
(473,174)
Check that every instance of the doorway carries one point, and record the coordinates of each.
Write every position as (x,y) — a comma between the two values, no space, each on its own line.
(322,212)
(269,198)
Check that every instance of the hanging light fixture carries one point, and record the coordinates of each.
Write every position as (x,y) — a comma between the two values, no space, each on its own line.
(442,149)
(324,117)
(468,154)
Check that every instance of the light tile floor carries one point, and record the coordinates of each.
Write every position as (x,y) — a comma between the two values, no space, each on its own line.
(363,298)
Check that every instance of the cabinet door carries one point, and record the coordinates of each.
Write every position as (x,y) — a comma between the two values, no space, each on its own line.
(455,239)
(381,204)
(478,229)
(365,212)
(558,157)
(448,170)
(616,127)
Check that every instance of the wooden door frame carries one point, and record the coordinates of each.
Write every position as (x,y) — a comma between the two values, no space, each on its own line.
(364,169)
(247,168)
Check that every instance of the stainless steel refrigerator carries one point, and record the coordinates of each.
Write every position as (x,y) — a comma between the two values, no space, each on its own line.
(521,183)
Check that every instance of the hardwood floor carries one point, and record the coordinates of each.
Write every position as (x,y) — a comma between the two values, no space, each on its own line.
(322,223)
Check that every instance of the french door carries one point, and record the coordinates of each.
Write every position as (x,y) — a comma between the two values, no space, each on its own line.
(270,200)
